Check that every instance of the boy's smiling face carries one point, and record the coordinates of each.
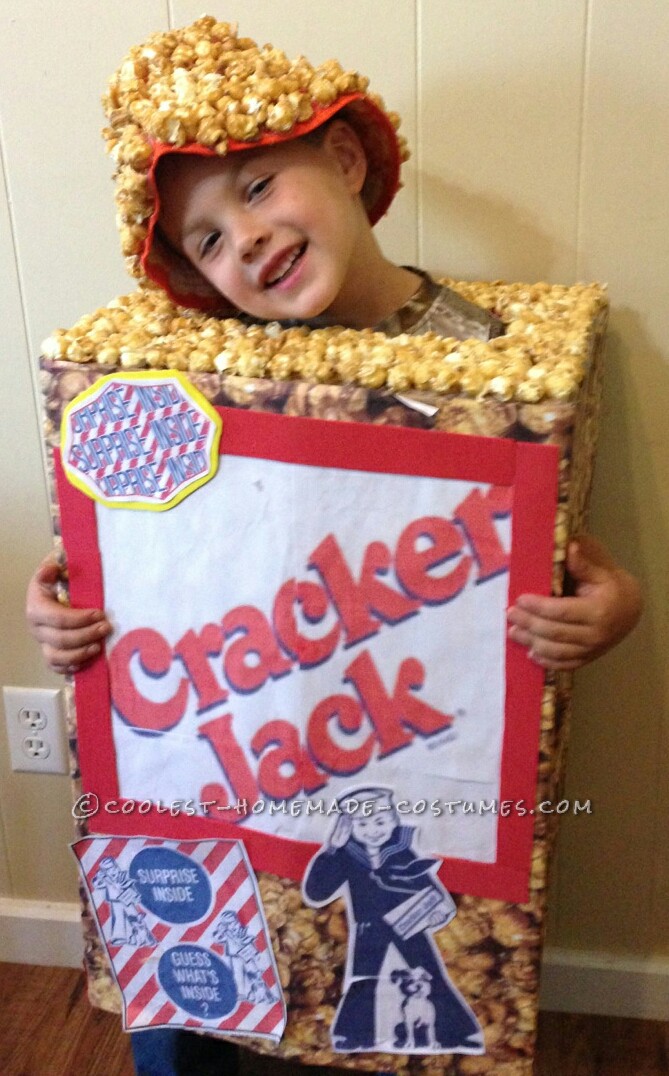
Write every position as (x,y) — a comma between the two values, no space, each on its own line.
(374,829)
(280,231)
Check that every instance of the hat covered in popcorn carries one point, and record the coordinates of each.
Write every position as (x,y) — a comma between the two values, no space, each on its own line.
(204,90)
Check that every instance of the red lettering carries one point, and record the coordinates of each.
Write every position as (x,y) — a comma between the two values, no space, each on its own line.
(195,649)
(356,602)
(392,715)
(220,737)
(477,514)
(413,565)
(218,794)
(287,753)
(250,661)
(314,603)
(349,717)
(155,659)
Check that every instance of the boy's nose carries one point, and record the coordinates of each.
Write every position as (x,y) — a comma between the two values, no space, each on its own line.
(251,239)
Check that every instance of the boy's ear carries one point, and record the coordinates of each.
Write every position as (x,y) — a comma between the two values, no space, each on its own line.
(343,144)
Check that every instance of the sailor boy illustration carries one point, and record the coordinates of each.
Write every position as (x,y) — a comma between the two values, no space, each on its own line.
(397,996)
(128,921)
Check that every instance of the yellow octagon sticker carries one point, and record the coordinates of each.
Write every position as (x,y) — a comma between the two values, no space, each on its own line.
(142,439)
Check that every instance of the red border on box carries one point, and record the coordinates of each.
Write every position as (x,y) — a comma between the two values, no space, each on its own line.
(530,469)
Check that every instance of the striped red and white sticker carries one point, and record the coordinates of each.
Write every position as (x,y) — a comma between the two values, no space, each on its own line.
(184,927)
(143,439)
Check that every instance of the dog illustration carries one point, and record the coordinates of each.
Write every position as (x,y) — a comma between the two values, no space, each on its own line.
(417,1029)
(140,934)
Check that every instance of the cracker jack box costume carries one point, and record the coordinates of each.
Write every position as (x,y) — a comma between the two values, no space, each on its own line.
(309,762)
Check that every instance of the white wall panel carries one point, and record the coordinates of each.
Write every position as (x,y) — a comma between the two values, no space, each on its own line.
(12,356)
(620,742)
(55,60)
(24,536)
(499,107)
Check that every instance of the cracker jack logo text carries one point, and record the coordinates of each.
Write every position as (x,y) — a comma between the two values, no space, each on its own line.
(434,561)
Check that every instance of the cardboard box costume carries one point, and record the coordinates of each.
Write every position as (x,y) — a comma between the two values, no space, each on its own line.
(359,920)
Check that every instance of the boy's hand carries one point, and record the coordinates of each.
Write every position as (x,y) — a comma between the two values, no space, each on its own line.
(68,637)
(568,632)
(341,832)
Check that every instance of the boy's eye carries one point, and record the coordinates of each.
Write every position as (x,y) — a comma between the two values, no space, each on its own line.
(209,243)
(258,187)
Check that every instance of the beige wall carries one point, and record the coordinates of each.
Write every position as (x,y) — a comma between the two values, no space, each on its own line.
(540,152)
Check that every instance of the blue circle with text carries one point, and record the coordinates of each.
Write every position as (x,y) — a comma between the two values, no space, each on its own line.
(172,886)
(198,981)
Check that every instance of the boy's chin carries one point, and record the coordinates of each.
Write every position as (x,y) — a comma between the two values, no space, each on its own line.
(302,307)
(289,312)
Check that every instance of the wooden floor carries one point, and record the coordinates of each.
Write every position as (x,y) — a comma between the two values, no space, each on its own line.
(47,1028)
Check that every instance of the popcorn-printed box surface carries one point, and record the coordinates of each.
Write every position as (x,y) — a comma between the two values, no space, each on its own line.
(538,383)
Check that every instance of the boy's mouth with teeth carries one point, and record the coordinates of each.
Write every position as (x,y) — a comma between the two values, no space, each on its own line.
(279,272)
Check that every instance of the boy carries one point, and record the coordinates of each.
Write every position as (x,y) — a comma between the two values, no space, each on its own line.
(249,185)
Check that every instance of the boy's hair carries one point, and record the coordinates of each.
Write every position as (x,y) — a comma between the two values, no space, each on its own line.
(361,799)
(206,91)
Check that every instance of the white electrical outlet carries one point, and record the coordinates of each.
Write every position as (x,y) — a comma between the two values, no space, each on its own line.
(36,729)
